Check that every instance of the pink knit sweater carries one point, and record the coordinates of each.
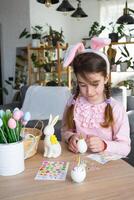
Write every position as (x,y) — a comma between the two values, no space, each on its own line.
(88,118)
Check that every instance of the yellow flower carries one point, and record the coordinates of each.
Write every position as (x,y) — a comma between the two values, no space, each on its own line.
(53,139)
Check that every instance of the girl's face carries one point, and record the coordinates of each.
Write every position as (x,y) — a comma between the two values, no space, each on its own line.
(92,88)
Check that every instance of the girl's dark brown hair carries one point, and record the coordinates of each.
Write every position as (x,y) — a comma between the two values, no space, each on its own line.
(84,64)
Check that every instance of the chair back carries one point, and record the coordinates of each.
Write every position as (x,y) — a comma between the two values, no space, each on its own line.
(120,94)
(41,101)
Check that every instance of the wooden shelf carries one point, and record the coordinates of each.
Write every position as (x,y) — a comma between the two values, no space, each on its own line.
(36,77)
(116,77)
(120,43)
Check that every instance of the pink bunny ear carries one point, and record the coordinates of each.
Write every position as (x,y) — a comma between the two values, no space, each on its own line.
(71,52)
(98,43)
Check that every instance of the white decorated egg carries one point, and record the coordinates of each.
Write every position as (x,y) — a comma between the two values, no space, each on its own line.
(78,173)
(82,145)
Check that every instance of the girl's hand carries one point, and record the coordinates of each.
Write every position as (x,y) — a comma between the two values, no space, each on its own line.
(95,144)
(72,144)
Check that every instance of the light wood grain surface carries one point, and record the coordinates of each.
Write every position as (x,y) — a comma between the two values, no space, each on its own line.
(112,181)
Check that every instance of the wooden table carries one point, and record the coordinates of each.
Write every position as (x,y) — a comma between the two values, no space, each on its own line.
(112,181)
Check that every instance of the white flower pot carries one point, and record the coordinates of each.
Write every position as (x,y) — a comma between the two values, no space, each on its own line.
(11,158)
(129,92)
(35,43)
(128,38)
(123,66)
(114,68)
(35,69)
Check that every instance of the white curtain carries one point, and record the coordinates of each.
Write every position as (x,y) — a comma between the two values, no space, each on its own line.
(111,10)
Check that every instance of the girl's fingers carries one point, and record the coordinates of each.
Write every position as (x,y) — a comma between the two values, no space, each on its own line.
(73,145)
(95,144)
(95,150)
(97,147)
(72,148)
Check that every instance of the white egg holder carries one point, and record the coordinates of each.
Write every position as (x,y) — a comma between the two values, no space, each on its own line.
(78,173)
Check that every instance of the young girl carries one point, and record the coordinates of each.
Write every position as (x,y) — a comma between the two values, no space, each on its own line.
(91,112)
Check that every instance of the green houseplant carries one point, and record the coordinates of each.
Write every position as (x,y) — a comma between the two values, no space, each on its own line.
(36,35)
(47,63)
(36,32)
(95,29)
(54,36)
(129,33)
(116,31)
(129,84)
(11,141)
(125,59)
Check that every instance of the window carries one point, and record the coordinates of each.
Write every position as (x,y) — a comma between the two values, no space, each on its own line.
(111,10)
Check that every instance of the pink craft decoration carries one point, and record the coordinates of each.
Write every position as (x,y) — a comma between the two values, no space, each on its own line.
(21,113)
(98,43)
(11,123)
(17,115)
(24,123)
(27,116)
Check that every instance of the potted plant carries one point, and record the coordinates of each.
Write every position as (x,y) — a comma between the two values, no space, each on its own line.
(125,59)
(129,84)
(11,141)
(47,62)
(95,29)
(36,35)
(116,31)
(54,36)
(128,34)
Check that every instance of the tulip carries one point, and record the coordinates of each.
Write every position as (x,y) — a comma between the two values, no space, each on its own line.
(16,109)
(2,113)
(21,113)
(1,123)
(24,123)
(17,115)
(8,111)
(27,116)
(11,123)
(4,138)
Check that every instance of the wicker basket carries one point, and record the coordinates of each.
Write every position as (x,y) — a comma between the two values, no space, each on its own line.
(31,140)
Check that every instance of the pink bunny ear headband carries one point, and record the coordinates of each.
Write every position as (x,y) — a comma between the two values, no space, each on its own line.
(96,44)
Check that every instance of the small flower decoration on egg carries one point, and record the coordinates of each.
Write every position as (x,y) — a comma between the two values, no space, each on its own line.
(78,173)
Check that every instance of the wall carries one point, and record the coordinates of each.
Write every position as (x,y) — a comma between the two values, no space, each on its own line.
(14,16)
(74,29)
